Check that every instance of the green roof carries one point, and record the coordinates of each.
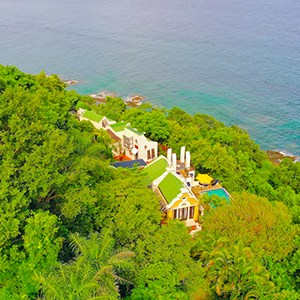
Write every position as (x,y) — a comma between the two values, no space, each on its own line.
(110,119)
(145,181)
(121,127)
(92,115)
(156,169)
(133,130)
(118,126)
(170,187)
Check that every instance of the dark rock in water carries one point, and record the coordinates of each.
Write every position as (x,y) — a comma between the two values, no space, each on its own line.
(276,157)
(70,82)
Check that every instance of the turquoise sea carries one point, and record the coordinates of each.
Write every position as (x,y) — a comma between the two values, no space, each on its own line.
(236,60)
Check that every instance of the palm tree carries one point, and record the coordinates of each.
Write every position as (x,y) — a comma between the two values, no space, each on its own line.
(232,270)
(236,274)
(93,272)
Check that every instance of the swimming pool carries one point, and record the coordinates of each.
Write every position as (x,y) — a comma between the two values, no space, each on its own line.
(221,192)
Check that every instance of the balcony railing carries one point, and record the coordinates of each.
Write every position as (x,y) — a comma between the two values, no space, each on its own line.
(128,142)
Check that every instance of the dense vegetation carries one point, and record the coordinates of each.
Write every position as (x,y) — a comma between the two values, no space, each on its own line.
(71,227)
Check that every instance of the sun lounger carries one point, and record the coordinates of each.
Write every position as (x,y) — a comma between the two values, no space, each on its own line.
(204,185)
(215,182)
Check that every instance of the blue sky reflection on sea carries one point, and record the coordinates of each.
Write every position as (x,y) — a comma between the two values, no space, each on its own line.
(236,60)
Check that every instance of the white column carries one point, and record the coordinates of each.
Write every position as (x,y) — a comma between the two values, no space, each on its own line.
(192,173)
(182,152)
(169,156)
(174,161)
(187,159)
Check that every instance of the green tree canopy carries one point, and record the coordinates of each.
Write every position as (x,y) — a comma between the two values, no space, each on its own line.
(263,226)
(232,270)
(154,124)
(93,272)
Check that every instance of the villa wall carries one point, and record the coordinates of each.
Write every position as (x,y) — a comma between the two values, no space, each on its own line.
(185,200)
(141,144)
(96,125)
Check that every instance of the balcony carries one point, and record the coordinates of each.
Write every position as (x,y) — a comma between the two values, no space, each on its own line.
(128,142)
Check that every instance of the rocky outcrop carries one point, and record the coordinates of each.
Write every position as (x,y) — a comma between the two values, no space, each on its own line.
(276,157)
(70,82)
(134,100)
(101,97)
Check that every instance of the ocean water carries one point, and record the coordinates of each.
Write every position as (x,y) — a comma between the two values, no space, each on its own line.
(236,60)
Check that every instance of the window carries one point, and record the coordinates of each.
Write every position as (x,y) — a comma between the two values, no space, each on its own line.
(185,213)
(192,209)
(137,141)
(148,155)
(174,214)
(181,213)
(153,153)
(104,123)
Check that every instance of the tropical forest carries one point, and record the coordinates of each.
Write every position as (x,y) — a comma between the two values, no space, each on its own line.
(72,227)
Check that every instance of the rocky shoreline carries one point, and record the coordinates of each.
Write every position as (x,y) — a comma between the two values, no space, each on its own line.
(70,82)
(101,97)
(276,157)
(135,100)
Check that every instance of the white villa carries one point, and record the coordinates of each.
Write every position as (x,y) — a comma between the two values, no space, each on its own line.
(129,141)
(97,120)
(134,143)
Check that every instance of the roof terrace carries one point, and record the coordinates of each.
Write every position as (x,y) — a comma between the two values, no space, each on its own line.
(92,115)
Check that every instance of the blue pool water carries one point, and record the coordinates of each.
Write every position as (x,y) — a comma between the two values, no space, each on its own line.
(221,192)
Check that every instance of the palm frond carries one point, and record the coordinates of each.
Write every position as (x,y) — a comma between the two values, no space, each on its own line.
(106,297)
(76,242)
(104,270)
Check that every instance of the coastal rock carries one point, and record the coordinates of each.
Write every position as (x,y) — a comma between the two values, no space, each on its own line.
(276,157)
(70,82)
(134,100)
(101,97)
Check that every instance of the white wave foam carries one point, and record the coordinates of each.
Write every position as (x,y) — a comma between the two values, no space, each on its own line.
(288,154)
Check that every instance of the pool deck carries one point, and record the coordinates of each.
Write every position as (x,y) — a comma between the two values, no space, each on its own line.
(198,190)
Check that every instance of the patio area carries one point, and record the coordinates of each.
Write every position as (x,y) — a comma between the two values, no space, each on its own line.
(122,157)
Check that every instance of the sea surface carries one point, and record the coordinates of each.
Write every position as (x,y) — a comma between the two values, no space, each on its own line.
(236,60)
